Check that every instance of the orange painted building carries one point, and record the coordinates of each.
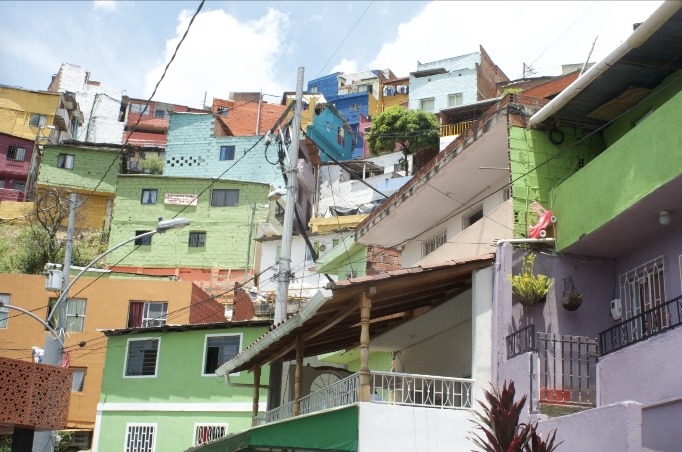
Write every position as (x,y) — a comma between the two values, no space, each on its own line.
(106,303)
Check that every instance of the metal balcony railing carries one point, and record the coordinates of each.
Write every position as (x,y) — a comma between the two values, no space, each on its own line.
(521,341)
(649,323)
(389,388)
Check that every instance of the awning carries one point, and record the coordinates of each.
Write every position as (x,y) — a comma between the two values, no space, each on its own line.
(331,430)
(330,321)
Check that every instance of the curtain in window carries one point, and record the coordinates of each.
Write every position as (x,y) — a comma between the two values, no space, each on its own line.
(135,314)
(78,377)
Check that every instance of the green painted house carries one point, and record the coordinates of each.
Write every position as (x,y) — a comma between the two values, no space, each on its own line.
(223,216)
(160,391)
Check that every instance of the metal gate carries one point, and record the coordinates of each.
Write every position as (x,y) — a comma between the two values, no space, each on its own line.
(567,369)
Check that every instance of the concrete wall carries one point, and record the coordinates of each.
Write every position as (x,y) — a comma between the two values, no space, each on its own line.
(192,150)
(227,228)
(14,171)
(179,396)
(481,325)
(409,429)
(16,107)
(107,302)
(660,426)
(637,162)
(635,372)
(459,78)
(89,167)
(518,370)
(100,106)
(327,85)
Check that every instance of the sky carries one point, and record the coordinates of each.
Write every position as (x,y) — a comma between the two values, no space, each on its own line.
(256,46)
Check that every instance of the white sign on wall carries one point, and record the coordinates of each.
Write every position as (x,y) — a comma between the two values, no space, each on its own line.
(180,200)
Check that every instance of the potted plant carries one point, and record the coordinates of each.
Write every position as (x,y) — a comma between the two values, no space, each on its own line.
(529,287)
(571,298)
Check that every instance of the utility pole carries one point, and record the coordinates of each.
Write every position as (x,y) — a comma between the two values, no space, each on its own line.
(53,348)
(287,230)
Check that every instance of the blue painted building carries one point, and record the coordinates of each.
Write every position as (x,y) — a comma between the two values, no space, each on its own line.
(331,133)
(197,147)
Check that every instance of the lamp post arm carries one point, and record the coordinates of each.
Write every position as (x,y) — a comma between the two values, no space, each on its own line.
(93,262)
(32,315)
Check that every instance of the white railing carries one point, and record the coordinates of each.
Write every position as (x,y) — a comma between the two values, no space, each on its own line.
(389,388)
(422,390)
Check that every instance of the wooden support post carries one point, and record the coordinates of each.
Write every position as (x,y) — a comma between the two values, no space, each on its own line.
(256,391)
(365,307)
(298,376)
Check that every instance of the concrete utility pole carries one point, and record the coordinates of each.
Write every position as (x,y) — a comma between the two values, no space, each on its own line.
(53,346)
(287,231)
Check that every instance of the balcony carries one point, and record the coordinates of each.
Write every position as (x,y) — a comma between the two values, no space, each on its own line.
(388,388)
(449,130)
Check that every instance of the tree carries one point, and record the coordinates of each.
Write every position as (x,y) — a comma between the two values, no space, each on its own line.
(411,130)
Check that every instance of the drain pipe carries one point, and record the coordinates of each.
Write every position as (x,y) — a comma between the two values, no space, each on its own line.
(243,385)
(636,39)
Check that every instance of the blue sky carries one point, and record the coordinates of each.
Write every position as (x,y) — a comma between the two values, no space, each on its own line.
(253,46)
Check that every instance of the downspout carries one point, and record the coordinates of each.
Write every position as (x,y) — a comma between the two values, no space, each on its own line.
(243,385)
(260,103)
(636,39)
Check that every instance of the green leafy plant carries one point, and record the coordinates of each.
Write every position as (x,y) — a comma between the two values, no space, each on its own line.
(499,423)
(151,165)
(529,287)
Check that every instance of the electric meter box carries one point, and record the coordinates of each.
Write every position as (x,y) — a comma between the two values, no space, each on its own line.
(53,280)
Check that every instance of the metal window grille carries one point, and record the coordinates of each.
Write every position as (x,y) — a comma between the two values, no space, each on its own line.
(16,153)
(142,357)
(147,241)
(207,433)
(642,289)
(225,197)
(434,242)
(140,438)
(197,239)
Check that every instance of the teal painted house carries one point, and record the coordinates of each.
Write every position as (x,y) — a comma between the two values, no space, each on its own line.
(223,217)
(331,133)
(160,391)
(199,145)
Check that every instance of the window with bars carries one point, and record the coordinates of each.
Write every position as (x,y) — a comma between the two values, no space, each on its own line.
(197,239)
(219,350)
(225,197)
(642,289)
(430,245)
(142,357)
(140,437)
(205,433)
(16,153)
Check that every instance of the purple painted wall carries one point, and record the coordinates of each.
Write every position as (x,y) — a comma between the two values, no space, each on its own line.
(660,426)
(13,171)
(518,370)
(646,372)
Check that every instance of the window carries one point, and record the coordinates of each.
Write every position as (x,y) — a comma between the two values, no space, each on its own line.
(149,195)
(16,153)
(143,314)
(77,379)
(138,108)
(204,433)
(142,357)
(75,314)
(434,242)
(197,239)
(643,289)
(4,310)
(225,197)
(455,100)
(21,186)
(159,114)
(313,89)
(427,104)
(473,218)
(227,152)
(219,350)
(65,161)
(355,107)
(37,120)
(143,241)
(80,440)
(140,437)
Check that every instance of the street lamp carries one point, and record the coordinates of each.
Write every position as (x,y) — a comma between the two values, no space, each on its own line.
(161,227)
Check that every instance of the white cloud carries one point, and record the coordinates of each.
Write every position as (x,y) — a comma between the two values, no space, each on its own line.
(346,66)
(512,33)
(221,55)
(105,5)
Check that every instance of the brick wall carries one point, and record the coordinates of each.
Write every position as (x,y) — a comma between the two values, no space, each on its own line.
(192,150)
(226,228)
(90,165)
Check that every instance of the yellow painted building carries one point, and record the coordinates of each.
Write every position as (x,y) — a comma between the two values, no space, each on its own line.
(101,304)
(23,112)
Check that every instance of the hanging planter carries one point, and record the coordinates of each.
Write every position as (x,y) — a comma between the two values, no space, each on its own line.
(530,288)
(571,298)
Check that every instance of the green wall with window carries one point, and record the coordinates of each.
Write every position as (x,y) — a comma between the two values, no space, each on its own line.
(179,395)
(217,236)
(90,165)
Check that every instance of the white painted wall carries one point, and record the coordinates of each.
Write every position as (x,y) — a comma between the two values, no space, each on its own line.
(100,106)
(412,252)
(411,429)
(481,325)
